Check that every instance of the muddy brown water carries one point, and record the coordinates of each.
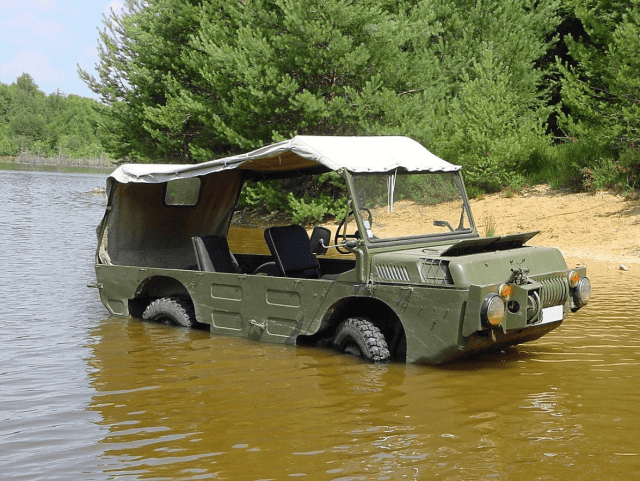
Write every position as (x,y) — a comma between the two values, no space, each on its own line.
(87,396)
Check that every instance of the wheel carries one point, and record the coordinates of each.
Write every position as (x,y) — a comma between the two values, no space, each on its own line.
(359,337)
(172,310)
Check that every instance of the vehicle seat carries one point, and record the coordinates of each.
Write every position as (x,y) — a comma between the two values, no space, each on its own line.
(213,254)
(291,250)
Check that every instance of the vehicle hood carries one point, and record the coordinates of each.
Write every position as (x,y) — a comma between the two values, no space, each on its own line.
(480,261)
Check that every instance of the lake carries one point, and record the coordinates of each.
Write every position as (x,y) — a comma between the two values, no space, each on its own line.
(88,396)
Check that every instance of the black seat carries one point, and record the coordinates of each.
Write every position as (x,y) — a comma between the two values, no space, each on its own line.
(291,249)
(213,254)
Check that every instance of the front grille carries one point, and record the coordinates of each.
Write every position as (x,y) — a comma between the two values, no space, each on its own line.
(393,273)
(555,291)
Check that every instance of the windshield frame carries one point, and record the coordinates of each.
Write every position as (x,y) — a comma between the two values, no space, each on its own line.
(470,232)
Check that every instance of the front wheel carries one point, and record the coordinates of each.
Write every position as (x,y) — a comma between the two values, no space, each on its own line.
(359,337)
(170,309)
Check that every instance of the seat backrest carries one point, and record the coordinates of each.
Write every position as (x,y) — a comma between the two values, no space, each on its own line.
(290,248)
(213,254)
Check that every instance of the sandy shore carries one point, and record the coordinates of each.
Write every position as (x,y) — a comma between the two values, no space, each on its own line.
(599,229)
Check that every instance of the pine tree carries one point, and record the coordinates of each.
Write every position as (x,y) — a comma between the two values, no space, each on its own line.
(602,92)
(482,84)
(225,76)
(194,80)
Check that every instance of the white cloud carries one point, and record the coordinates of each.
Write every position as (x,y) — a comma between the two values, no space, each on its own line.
(24,27)
(35,64)
(22,5)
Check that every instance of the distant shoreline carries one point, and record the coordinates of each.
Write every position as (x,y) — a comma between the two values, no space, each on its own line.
(55,168)
(62,164)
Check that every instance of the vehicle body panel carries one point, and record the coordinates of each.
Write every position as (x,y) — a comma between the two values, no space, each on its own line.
(427,293)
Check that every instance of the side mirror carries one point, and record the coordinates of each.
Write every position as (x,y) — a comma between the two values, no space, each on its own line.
(320,239)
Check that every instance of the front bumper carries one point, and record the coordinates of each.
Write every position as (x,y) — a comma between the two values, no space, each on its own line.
(539,300)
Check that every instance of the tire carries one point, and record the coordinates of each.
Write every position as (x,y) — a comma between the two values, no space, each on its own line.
(170,309)
(359,337)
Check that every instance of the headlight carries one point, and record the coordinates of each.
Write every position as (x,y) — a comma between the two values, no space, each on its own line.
(492,310)
(582,292)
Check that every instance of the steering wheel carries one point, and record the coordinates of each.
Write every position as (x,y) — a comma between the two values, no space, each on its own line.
(343,226)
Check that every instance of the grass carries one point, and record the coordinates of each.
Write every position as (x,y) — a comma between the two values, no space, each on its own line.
(490,225)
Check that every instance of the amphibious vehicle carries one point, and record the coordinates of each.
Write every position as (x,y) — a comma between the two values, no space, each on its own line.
(407,277)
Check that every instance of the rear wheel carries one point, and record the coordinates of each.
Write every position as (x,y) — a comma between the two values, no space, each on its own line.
(359,337)
(172,310)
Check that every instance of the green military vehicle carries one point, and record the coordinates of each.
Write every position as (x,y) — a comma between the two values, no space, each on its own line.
(407,277)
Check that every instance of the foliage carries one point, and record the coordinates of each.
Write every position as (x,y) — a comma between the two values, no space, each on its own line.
(228,76)
(141,62)
(475,81)
(48,125)
(601,91)
(306,200)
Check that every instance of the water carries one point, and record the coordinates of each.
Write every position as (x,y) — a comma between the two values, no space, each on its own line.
(86,396)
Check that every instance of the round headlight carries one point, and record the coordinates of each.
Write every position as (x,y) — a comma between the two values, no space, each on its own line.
(492,311)
(582,292)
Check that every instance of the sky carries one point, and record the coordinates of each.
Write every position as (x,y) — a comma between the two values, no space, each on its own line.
(48,39)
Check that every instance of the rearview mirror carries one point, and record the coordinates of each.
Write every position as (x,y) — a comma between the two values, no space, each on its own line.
(320,239)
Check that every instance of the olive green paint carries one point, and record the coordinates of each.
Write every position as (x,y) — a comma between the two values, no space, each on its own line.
(423,293)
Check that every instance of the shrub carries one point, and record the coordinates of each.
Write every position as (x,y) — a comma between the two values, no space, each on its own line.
(306,200)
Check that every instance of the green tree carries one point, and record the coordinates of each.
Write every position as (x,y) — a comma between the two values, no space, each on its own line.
(600,85)
(7,147)
(140,56)
(73,125)
(27,113)
(602,91)
(193,80)
(47,125)
(485,105)
(233,75)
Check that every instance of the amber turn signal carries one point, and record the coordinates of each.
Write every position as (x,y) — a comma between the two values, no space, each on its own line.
(574,278)
(505,292)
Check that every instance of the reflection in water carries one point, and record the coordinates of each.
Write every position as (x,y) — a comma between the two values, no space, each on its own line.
(178,403)
(47,240)
(172,396)
(88,397)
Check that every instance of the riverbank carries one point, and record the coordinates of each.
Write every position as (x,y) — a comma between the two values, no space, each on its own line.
(588,228)
(82,169)
(60,163)
(601,227)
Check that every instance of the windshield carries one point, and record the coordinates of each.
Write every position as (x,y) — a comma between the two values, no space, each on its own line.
(398,205)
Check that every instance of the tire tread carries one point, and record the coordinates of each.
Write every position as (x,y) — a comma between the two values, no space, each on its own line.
(375,344)
(178,311)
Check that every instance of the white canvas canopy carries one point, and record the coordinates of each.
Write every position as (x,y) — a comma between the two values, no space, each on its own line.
(355,154)
(139,228)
